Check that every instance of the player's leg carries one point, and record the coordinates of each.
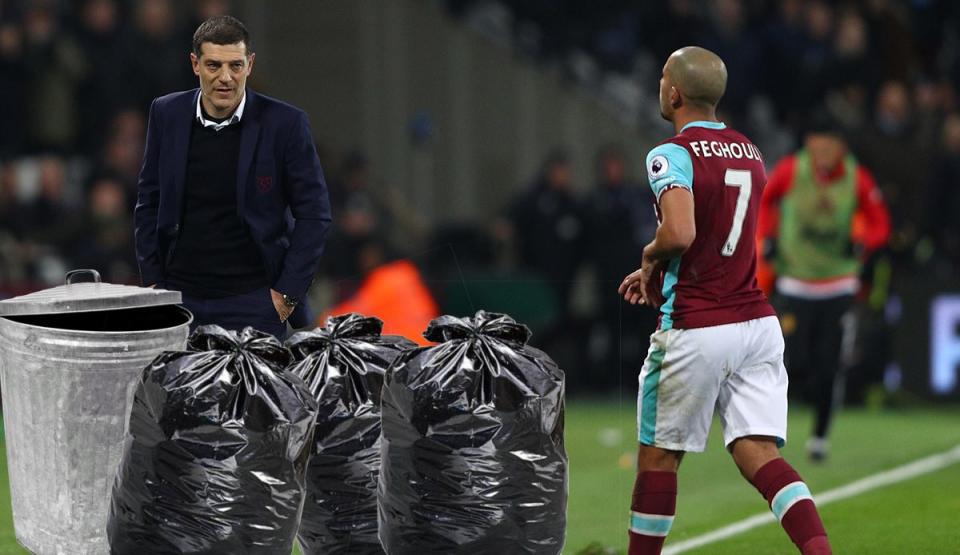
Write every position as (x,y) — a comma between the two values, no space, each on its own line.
(654,501)
(759,460)
(828,342)
(678,389)
(753,411)
(798,324)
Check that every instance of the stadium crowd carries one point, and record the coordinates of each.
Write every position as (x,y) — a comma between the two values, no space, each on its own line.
(888,71)
(76,79)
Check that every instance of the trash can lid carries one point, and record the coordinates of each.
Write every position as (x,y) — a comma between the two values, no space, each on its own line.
(92,296)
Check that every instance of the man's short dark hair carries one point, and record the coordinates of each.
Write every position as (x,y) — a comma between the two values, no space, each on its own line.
(222,29)
(822,122)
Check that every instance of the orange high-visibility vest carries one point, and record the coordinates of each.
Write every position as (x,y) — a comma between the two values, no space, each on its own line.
(396,294)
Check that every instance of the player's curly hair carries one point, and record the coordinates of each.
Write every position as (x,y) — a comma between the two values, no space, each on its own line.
(222,29)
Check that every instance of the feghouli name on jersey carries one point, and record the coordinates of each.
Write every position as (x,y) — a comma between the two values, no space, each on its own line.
(723,149)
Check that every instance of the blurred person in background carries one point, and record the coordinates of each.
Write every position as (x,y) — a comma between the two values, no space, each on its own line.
(889,147)
(9,198)
(42,226)
(360,215)
(122,152)
(11,265)
(232,207)
(853,68)
(391,289)
(364,210)
(13,78)
(155,52)
(941,223)
(55,68)
(106,85)
(205,9)
(784,36)
(46,221)
(548,225)
(620,221)
(105,241)
(821,215)
(806,69)
(736,42)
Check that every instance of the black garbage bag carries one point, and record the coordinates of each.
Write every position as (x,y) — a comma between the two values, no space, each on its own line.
(473,455)
(216,453)
(343,365)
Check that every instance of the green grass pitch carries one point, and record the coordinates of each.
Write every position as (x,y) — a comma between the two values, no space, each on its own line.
(914,516)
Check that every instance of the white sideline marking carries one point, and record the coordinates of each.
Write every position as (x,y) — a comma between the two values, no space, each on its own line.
(874,481)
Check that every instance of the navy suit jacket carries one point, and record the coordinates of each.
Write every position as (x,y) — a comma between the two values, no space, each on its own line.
(281,194)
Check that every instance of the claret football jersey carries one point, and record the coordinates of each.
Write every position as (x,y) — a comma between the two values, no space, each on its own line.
(714,282)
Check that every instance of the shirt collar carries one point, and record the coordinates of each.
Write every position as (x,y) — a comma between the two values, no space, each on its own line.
(217,126)
(702,123)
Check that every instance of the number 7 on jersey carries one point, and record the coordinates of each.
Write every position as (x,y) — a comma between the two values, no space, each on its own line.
(744,181)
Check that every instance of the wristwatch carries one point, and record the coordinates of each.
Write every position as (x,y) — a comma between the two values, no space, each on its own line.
(291,302)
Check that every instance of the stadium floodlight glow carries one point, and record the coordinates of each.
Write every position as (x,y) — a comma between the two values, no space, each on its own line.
(944,343)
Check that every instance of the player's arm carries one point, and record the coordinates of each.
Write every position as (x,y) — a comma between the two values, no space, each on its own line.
(768,221)
(872,211)
(677,228)
(670,171)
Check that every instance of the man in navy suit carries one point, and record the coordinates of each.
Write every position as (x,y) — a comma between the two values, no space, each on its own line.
(232,207)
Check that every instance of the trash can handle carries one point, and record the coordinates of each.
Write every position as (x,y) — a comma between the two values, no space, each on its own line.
(72,273)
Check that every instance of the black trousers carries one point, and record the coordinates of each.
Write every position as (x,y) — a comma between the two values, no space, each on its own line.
(814,332)
(235,313)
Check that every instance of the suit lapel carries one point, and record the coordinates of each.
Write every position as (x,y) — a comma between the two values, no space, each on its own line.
(249,133)
(181,146)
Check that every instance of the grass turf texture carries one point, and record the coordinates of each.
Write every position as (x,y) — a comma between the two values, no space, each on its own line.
(915,516)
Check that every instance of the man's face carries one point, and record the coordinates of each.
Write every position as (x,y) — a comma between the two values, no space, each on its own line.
(613,169)
(560,175)
(223,70)
(826,151)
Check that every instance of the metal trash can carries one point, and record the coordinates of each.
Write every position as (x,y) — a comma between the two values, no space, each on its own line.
(70,358)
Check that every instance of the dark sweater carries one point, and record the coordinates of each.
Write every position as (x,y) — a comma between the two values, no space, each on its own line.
(214,256)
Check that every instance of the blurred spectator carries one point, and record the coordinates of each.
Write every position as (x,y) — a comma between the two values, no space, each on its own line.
(889,20)
(37,231)
(9,192)
(621,221)
(55,67)
(615,43)
(105,241)
(46,220)
(362,211)
(667,26)
(123,150)
(10,264)
(205,9)
(940,223)
(13,78)
(815,57)
(785,38)
(852,70)
(106,86)
(930,99)
(735,42)
(157,55)
(392,290)
(890,149)
(358,215)
(549,227)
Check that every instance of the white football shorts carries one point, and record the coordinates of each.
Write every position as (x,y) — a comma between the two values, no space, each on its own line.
(734,369)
